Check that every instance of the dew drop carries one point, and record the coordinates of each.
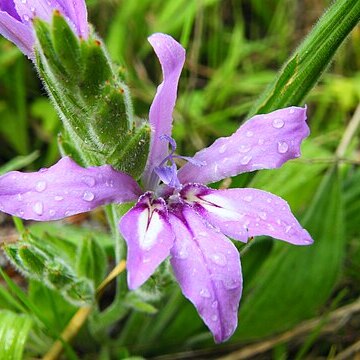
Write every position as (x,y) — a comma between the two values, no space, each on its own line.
(38,208)
(183,254)
(214,305)
(88,180)
(249,133)
(52,212)
(288,228)
(146,260)
(88,196)
(19,197)
(268,200)
(231,284)
(21,213)
(214,317)
(58,198)
(248,198)
(261,141)
(205,293)
(222,149)
(278,123)
(40,186)
(244,148)
(26,17)
(245,160)
(283,147)
(23,1)
(32,9)
(263,215)
(291,111)
(218,259)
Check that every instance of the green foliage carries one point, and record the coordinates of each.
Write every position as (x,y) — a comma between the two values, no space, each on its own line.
(307,64)
(14,330)
(51,261)
(294,282)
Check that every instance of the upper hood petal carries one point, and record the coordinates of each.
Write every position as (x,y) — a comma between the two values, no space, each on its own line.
(172,57)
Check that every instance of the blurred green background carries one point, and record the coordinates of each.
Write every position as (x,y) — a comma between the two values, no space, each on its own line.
(234,50)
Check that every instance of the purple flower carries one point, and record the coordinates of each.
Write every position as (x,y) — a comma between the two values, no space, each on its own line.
(175,213)
(16,19)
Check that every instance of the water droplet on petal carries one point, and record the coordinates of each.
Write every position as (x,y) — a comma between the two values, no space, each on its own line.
(88,180)
(268,200)
(244,148)
(248,198)
(263,215)
(146,260)
(205,293)
(291,111)
(40,186)
(222,149)
(88,196)
(278,123)
(58,198)
(38,208)
(231,284)
(261,141)
(26,17)
(218,259)
(288,228)
(249,133)
(183,254)
(283,147)
(23,1)
(19,197)
(21,213)
(52,212)
(245,160)
(214,317)
(214,305)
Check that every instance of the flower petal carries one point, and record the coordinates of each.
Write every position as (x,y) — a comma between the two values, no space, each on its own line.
(207,266)
(8,6)
(172,57)
(30,9)
(149,238)
(263,142)
(64,189)
(243,213)
(76,11)
(18,33)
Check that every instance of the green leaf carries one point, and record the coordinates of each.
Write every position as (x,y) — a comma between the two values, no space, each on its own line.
(91,260)
(14,330)
(19,162)
(296,281)
(306,65)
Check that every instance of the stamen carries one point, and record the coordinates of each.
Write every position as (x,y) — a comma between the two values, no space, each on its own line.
(168,173)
